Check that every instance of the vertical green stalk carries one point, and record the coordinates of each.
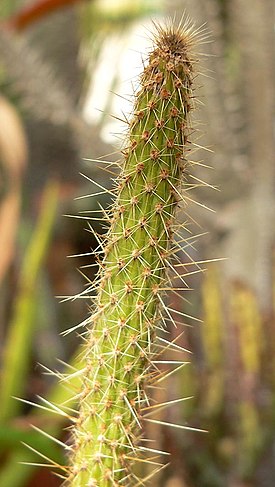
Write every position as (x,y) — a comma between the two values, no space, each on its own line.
(121,350)
(17,350)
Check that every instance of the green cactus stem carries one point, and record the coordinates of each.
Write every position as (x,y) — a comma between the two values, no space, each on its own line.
(121,348)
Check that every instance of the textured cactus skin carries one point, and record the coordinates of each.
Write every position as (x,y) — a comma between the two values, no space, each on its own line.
(120,349)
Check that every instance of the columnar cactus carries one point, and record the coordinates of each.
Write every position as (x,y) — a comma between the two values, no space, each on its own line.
(120,351)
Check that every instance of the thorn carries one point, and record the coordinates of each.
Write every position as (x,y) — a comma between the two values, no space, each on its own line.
(49,463)
(173,425)
(158,407)
(52,438)
(167,374)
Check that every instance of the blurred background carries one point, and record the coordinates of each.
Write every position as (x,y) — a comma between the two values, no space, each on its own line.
(65,66)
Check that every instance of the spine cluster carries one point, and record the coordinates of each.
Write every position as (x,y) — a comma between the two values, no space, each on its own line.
(121,348)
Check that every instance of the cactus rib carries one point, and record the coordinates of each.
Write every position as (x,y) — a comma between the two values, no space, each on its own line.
(121,350)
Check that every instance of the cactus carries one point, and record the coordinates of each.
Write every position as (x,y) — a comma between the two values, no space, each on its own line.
(122,350)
